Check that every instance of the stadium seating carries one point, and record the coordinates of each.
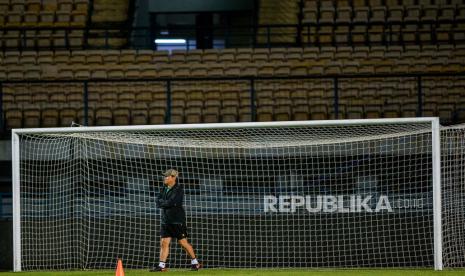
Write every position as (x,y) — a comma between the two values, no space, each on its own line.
(276,12)
(54,18)
(132,64)
(358,37)
(60,24)
(216,101)
(381,22)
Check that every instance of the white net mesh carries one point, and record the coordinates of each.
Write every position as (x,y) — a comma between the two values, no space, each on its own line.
(453,195)
(307,196)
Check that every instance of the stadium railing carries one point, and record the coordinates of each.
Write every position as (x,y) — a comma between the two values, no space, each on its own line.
(166,103)
(251,36)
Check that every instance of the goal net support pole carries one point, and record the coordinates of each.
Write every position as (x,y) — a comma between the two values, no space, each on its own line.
(437,206)
(16,202)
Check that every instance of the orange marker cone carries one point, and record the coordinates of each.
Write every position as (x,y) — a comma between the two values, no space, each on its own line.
(119,268)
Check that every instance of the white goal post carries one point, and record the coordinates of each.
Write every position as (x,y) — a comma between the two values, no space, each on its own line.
(338,193)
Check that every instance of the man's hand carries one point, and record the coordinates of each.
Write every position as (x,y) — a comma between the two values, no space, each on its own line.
(159,201)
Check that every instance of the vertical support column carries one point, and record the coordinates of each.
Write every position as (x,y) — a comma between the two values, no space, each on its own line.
(255,30)
(86,104)
(227,32)
(336,97)
(299,28)
(437,205)
(16,202)
(2,122)
(253,108)
(308,35)
(168,102)
(268,36)
(420,97)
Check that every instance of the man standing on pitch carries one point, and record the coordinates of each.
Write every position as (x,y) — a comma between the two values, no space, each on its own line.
(173,220)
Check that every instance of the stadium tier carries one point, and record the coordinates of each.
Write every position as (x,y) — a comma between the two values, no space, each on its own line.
(48,105)
(377,22)
(60,23)
(111,64)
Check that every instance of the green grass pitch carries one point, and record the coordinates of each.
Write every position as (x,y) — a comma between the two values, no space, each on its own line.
(267,272)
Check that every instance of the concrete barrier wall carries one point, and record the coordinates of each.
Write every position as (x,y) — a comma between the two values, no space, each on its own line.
(300,240)
(6,245)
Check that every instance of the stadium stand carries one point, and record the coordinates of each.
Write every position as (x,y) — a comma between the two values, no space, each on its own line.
(97,64)
(382,22)
(323,60)
(42,24)
(276,100)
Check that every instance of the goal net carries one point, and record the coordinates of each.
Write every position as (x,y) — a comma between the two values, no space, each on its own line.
(355,193)
(453,195)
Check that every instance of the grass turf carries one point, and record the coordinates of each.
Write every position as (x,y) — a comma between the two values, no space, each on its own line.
(267,272)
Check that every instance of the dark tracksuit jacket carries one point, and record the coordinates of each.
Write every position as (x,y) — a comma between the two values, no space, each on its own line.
(170,202)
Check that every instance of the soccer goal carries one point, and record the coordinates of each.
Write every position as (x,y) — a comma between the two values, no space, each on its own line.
(337,194)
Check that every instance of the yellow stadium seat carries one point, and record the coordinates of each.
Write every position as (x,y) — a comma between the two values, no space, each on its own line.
(76,38)
(144,57)
(157,112)
(211,114)
(46,18)
(229,114)
(68,114)
(11,58)
(50,115)
(63,18)
(58,97)
(15,72)
(193,56)
(81,4)
(44,39)
(282,109)
(122,114)
(14,19)
(13,116)
(318,110)
(227,55)
(65,5)
(210,56)
(140,114)
(103,115)
(31,116)
(11,39)
(30,18)
(193,115)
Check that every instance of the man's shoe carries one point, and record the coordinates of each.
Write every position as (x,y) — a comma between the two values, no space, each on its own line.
(158,269)
(196,267)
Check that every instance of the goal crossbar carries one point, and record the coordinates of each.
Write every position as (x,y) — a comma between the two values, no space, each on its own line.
(224,125)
